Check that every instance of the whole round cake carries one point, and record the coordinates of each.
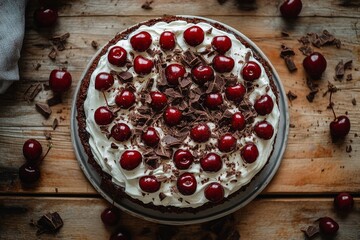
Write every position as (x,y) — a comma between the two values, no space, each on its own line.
(177,113)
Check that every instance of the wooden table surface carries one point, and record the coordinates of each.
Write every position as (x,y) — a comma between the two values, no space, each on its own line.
(313,170)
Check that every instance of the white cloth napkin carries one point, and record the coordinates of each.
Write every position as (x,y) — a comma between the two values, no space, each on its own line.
(12,26)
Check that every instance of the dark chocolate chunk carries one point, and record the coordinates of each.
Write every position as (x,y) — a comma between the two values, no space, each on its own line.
(48,223)
(147,5)
(125,76)
(310,231)
(32,91)
(340,70)
(348,148)
(290,64)
(286,51)
(171,141)
(44,109)
(55,123)
(348,64)
(54,100)
(292,125)
(114,146)
(38,65)
(59,41)
(291,96)
(52,54)
(306,50)
(190,58)
(162,196)
(209,31)
(47,135)
(304,40)
(353,101)
(310,97)
(94,44)
(349,77)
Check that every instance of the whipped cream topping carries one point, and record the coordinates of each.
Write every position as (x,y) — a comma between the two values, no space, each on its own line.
(108,157)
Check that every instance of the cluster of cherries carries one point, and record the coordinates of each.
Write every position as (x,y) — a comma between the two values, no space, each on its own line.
(172,116)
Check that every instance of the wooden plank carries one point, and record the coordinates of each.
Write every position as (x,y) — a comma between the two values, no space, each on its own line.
(189,7)
(261,219)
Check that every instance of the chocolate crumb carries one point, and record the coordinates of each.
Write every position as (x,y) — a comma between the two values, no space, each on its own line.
(47,135)
(310,97)
(94,44)
(52,54)
(292,125)
(290,64)
(59,41)
(38,65)
(54,100)
(348,148)
(44,109)
(349,77)
(340,70)
(291,96)
(353,101)
(285,34)
(48,223)
(310,231)
(147,5)
(114,146)
(55,124)
(286,51)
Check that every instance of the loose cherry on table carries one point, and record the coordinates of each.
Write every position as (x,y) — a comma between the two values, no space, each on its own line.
(45,16)
(120,235)
(141,42)
(158,100)
(149,184)
(214,192)
(32,150)
(121,132)
(174,72)
(186,184)
(221,44)
(202,74)
(235,93)
(183,159)
(200,133)
(103,116)
(117,56)
(264,130)
(328,226)
(251,71)
(142,65)
(125,99)
(344,202)
(29,173)
(172,116)
(314,65)
(103,81)
(211,162)
(249,153)
(130,159)
(60,80)
(194,36)
(238,121)
(213,100)
(264,105)
(110,216)
(150,137)
(223,64)
(167,40)
(227,143)
(291,8)
(339,127)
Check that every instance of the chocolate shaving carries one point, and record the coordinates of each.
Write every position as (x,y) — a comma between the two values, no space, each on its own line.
(32,91)
(43,109)
(291,96)
(172,93)
(290,64)
(162,196)
(190,58)
(286,51)
(52,54)
(247,57)
(172,141)
(163,152)
(48,223)
(306,50)
(310,231)
(55,123)
(150,52)
(340,70)
(125,76)
(348,65)
(114,146)
(147,5)
(59,41)
(54,100)
(185,82)
(310,97)
(94,44)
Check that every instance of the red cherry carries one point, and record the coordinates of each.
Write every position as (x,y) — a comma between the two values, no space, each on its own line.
(227,143)
(143,65)
(213,100)
(172,116)
(223,64)
(328,226)
(238,121)
(344,202)
(221,44)
(211,162)
(103,81)
(200,133)
(149,184)
(194,36)
(130,159)
(186,184)
(110,216)
(120,235)
(235,93)
(249,153)
(150,137)
(202,74)
(141,41)
(214,192)
(251,71)
(291,8)
(315,64)
(158,100)
(121,132)
(103,116)
(183,159)
(117,56)
(340,127)
(264,130)
(60,80)
(174,72)
(125,99)
(264,105)
(45,17)
(32,150)
(167,40)
(29,173)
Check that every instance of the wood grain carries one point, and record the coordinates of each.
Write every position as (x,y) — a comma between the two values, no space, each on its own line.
(255,221)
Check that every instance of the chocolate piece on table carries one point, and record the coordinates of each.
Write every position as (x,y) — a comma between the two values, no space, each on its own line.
(48,223)
(44,109)
(291,96)
(55,124)
(290,64)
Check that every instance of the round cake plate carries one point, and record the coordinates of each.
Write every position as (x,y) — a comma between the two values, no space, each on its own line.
(234,203)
